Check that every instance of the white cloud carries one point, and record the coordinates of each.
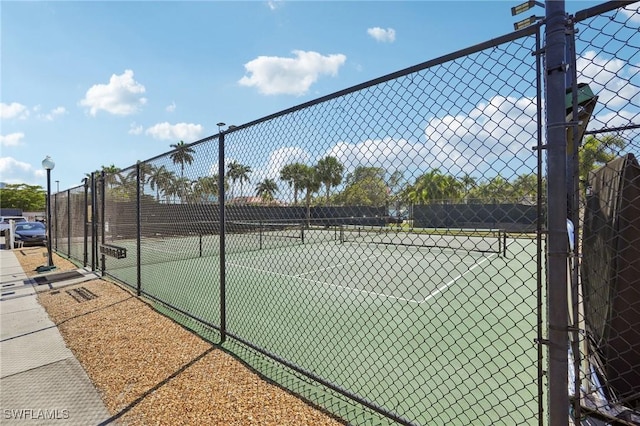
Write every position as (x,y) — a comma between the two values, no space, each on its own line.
(382,35)
(387,153)
(12,139)
(291,76)
(280,158)
(493,132)
(13,110)
(135,129)
(122,96)
(172,107)
(613,119)
(632,13)
(14,171)
(52,114)
(607,77)
(180,131)
(274,4)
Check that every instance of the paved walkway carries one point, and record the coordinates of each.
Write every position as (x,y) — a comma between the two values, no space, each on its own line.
(41,382)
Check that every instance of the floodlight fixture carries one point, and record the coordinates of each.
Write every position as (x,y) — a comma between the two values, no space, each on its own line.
(526,22)
(525,6)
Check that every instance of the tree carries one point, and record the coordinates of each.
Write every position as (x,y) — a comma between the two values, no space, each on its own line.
(159,179)
(206,188)
(111,175)
(597,151)
(293,174)
(329,173)
(497,190)
(366,186)
(311,183)
(24,197)
(468,182)
(267,190)
(238,172)
(434,186)
(146,169)
(525,188)
(181,155)
(395,188)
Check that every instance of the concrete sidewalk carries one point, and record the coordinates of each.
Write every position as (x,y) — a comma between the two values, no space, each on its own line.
(41,382)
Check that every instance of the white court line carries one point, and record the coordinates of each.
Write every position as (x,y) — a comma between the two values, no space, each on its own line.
(337,265)
(324,283)
(383,295)
(450,283)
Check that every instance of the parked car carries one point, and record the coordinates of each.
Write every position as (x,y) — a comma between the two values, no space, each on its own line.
(4,222)
(31,233)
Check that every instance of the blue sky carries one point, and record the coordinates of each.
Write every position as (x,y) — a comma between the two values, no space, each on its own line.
(101,83)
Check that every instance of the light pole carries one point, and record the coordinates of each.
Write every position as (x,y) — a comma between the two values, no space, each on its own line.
(57,186)
(48,165)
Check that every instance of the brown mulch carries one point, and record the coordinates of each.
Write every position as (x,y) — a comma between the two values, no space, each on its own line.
(32,257)
(150,370)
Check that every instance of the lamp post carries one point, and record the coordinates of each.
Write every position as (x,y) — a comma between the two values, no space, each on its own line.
(48,165)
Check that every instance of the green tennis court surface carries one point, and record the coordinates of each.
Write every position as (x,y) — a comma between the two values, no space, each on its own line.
(420,327)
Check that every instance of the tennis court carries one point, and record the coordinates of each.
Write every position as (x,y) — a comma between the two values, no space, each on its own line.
(366,313)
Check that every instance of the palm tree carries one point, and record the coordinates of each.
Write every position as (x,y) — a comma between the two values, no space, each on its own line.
(159,179)
(206,188)
(433,186)
(145,173)
(267,189)
(311,182)
(525,188)
(329,173)
(238,172)
(111,175)
(181,155)
(468,182)
(293,174)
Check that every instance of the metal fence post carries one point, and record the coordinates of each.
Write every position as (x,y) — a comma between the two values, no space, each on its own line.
(85,219)
(555,71)
(221,196)
(69,233)
(55,219)
(93,222)
(138,232)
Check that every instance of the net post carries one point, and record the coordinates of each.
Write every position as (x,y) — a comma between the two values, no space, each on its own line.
(504,242)
(302,234)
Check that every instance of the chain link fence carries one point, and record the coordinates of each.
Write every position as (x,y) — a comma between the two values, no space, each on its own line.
(605,208)
(381,251)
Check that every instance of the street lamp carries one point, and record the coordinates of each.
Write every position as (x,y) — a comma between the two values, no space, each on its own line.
(48,165)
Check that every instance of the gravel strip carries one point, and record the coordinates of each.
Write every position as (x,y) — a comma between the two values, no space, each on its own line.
(149,370)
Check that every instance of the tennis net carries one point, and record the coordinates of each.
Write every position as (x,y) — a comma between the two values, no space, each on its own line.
(469,240)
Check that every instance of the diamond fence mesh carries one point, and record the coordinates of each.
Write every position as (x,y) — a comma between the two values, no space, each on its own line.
(381,251)
(605,348)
